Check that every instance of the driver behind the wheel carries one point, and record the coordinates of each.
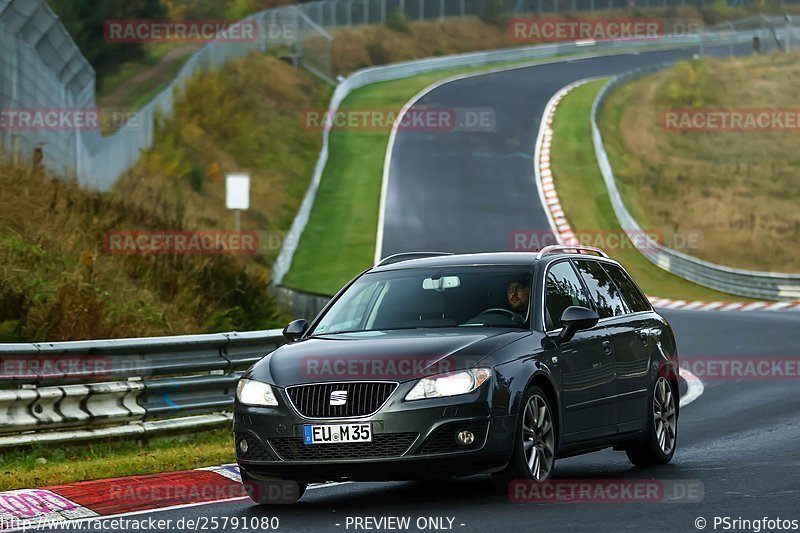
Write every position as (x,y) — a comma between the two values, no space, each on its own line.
(517,292)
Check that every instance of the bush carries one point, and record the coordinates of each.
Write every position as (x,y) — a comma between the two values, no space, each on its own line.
(398,21)
(496,12)
(378,53)
(690,85)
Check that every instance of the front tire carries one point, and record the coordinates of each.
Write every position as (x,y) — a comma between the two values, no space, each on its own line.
(661,437)
(534,452)
(272,491)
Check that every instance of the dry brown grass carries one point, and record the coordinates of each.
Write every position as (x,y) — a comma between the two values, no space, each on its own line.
(57,281)
(740,189)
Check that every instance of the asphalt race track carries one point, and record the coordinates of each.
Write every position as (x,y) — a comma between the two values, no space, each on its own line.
(467,191)
(739,441)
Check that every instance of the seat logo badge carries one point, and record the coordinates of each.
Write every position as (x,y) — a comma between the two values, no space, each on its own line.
(339,397)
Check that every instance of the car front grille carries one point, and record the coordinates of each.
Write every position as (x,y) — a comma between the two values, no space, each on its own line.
(363,398)
(382,445)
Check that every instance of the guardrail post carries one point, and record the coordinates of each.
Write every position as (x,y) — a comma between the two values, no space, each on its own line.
(262,27)
(16,155)
(383,11)
(421,9)
(788,45)
(349,13)
(441,9)
(366,11)
(730,44)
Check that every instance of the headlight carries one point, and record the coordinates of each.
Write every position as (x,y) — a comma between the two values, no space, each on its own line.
(449,384)
(251,392)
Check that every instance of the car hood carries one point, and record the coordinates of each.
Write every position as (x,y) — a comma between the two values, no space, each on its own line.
(399,355)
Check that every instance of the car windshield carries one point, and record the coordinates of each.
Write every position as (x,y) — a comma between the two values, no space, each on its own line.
(432,298)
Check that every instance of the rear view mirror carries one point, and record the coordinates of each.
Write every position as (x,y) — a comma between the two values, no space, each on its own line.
(295,330)
(441,283)
(574,319)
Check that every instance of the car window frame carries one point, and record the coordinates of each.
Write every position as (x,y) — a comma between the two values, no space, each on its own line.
(635,286)
(626,308)
(544,290)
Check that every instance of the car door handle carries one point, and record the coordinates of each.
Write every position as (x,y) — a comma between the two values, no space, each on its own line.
(607,347)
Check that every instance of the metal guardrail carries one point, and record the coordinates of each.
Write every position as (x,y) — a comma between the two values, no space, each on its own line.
(63,391)
(753,284)
(403,70)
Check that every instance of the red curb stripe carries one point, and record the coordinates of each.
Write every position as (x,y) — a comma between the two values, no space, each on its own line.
(139,493)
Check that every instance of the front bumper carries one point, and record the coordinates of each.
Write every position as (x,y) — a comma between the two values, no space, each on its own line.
(411,440)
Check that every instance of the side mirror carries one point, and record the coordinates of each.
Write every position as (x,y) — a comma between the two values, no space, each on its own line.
(295,330)
(574,319)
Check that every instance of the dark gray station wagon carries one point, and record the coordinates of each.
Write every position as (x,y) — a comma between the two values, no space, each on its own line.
(435,365)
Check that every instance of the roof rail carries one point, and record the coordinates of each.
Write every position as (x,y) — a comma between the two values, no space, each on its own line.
(570,248)
(407,256)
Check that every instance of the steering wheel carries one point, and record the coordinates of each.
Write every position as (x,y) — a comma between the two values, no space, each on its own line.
(516,317)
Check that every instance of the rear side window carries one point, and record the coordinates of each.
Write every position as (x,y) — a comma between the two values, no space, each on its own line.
(604,293)
(562,289)
(630,292)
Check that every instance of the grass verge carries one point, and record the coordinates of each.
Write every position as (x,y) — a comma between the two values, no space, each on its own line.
(586,204)
(737,191)
(45,465)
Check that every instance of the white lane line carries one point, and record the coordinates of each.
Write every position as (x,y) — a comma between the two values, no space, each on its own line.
(694,388)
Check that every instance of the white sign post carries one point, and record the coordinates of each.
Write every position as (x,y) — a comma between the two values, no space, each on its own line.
(237,194)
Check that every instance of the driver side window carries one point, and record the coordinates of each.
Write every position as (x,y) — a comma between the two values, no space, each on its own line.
(562,289)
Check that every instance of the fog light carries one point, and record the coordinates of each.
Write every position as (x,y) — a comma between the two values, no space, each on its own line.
(243,446)
(465,438)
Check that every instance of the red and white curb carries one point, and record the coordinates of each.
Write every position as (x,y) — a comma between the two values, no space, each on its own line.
(555,214)
(38,508)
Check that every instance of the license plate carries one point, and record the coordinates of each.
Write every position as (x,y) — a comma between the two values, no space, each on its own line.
(336,433)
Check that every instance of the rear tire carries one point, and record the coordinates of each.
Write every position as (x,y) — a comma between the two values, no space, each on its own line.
(534,452)
(661,434)
(273,491)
